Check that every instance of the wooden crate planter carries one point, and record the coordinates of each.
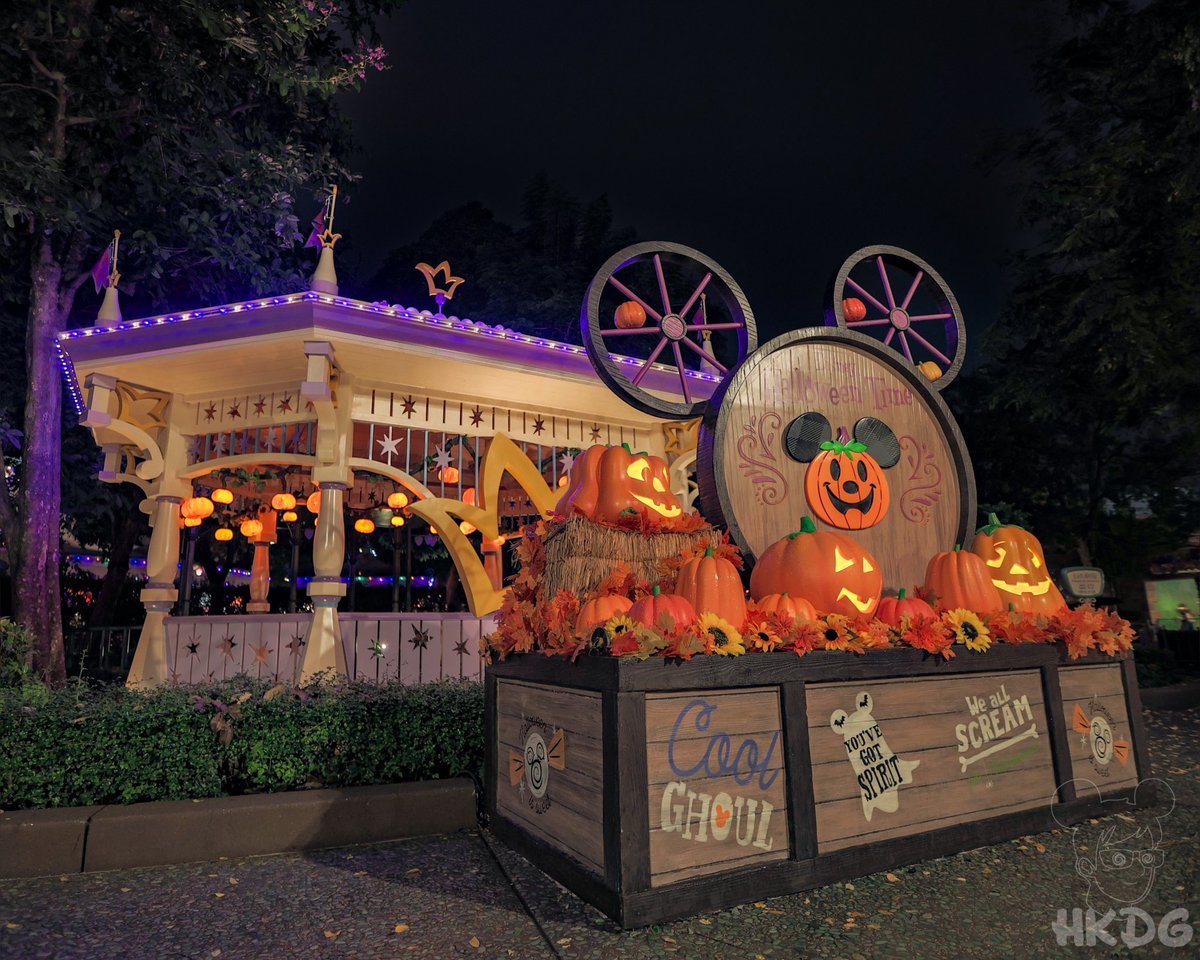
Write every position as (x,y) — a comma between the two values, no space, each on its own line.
(659,789)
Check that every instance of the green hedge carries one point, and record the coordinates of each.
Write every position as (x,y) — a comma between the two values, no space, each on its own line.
(79,746)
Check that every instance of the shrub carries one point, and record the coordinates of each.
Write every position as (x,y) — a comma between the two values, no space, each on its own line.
(15,643)
(114,745)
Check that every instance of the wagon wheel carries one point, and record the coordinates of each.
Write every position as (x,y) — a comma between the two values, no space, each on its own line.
(663,326)
(897,298)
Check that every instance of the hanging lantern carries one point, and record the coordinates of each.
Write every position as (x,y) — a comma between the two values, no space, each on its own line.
(432,528)
(223,534)
(283,501)
(192,521)
(290,516)
(196,508)
(397,521)
(398,501)
(469,496)
(563,480)
(448,474)
(466,528)
(251,528)
(313,503)
(222,496)
(364,525)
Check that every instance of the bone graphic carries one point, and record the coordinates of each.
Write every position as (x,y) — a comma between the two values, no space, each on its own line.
(997,746)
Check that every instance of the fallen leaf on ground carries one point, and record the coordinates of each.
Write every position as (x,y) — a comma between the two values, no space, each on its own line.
(12,926)
(760,904)
(474,941)
(1039,847)
(849,886)
(564,942)
(413,872)
(332,934)
(400,928)
(218,895)
(125,889)
(360,873)
(891,878)
(773,910)
(706,921)
(668,939)
(233,880)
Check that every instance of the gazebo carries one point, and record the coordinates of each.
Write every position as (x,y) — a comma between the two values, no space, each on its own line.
(361,401)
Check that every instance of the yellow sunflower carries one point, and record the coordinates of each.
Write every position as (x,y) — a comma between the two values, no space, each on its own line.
(618,625)
(969,630)
(763,639)
(720,637)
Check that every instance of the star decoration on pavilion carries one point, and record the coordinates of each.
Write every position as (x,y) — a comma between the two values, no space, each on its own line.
(409,406)
(193,649)
(567,461)
(220,443)
(261,652)
(210,412)
(227,645)
(144,409)
(270,438)
(539,424)
(595,433)
(174,678)
(310,406)
(476,417)
(377,650)
(461,647)
(295,644)
(420,639)
(260,405)
(389,446)
(196,449)
(285,405)
(441,458)
(235,410)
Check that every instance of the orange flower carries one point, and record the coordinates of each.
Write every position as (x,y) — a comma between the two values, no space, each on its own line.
(805,637)
(930,636)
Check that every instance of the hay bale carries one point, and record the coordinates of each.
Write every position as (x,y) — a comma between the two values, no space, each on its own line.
(580,554)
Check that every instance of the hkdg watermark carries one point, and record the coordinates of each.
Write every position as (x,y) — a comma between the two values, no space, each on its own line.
(1119,869)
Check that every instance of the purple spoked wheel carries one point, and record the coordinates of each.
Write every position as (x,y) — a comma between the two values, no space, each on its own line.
(697,328)
(908,308)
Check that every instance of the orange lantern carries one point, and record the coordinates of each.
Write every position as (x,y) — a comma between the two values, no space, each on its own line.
(630,315)
(251,528)
(313,503)
(398,501)
(222,496)
(563,480)
(283,501)
(192,521)
(448,474)
(469,496)
(290,516)
(223,533)
(196,508)
(364,525)
(397,521)
(432,528)
(466,528)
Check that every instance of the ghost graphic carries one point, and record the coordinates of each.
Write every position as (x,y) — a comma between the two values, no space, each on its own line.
(878,770)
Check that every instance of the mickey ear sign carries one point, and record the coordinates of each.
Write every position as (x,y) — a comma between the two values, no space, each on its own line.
(837,719)
(805,435)
(880,440)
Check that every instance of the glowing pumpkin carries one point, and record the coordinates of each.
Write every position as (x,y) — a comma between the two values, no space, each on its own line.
(630,315)
(786,606)
(893,610)
(712,584)
(608,482)
(845,486)
(853,309)
(1017,566)
(960,581)
(656,604)
(597,612)
(832,571)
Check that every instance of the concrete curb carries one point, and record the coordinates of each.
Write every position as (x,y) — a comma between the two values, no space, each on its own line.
(36,843)
(1178,696)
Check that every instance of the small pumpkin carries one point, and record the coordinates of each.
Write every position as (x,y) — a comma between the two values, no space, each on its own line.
(1017,567)
(713,585)
(599,611)
(893,610)
(608,482)
(832,571)
(853,309)
(786,606)
(961,581)
(630,315)
(654,605)
(845,486)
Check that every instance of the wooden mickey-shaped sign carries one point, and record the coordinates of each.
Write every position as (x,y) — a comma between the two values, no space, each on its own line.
(829,423)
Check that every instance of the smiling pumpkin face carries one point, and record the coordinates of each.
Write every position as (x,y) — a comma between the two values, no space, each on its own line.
(610,482)
(846,487)
(1017,565)
(829,569)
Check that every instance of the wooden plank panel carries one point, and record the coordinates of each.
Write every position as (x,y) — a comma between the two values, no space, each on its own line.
(389,636)
(891,757)
(1098,729)
(410,655)
(717,797)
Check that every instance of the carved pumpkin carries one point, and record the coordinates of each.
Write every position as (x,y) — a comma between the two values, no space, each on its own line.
(853,309)
(1017,566)
(713,585)
(845,486)
(832,571)
(630,315)
(648,610)
(961,581)
(893,610)
(786,606)
(607,482)
(599,611)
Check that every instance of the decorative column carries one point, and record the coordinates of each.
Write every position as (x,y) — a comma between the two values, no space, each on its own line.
(260,569)
(323,645)
(162,559)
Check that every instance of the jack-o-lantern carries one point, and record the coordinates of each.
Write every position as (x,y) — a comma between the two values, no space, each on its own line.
(1018,567)
(829,569)
(845,486)
(608,482)
(960,580)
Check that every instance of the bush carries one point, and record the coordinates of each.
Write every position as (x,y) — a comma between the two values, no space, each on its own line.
(114,745)
(15,643)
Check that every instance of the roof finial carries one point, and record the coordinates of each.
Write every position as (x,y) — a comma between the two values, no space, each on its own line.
(440,294)
(325,278)
(104,274)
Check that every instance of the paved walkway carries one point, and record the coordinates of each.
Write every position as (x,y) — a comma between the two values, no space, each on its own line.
(466,895)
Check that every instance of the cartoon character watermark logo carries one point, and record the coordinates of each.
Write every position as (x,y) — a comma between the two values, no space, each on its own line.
(880,773)
(1095,728)
(529,770)
(1119,867)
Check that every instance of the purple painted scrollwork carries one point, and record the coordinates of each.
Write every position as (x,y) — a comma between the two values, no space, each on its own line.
(922,478)
(756,452)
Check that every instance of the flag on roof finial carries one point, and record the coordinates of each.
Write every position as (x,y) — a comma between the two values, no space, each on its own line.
(105,275)
(325,278)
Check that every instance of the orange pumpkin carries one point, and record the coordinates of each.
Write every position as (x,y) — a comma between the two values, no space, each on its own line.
(608,482)
(893,610)
(712,584)
(1017,567)
(960,581)
(630,315)
(656,604)
(853,309)
(845,486)
(786,606)
(597,612)
(832,571)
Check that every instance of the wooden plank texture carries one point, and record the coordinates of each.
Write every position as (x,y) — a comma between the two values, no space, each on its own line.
(892,758)
(1098,731)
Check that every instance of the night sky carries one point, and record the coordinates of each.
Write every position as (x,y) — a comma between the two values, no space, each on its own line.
(775,137)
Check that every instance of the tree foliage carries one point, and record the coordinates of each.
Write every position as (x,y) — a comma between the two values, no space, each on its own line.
(1086,411)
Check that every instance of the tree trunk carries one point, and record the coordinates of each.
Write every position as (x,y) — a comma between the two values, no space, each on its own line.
(128,526)
(37,593)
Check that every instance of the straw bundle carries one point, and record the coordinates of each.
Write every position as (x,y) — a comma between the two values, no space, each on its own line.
(580,554)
